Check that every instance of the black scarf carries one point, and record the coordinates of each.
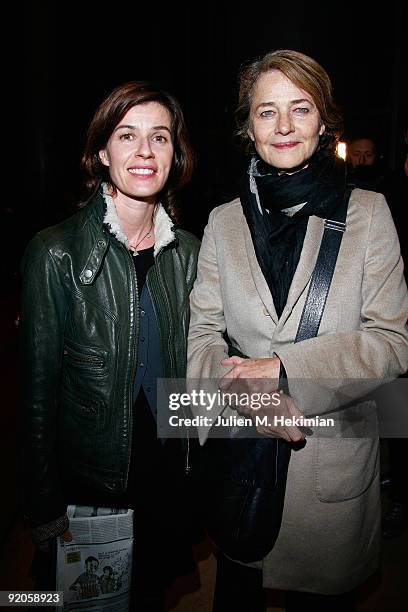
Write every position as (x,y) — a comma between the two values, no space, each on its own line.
(277,236)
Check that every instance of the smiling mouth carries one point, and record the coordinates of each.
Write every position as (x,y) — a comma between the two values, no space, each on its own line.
(145,172)
(285,145)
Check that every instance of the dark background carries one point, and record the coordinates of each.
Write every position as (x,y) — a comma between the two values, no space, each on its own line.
(60,59)
(78,52)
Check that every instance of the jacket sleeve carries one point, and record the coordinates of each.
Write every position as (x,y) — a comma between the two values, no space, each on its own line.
(191,261)
(189,247)
(206,344)
(378,350)
(42,320)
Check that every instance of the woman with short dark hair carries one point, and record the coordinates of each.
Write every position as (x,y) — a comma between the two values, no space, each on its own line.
(105,312)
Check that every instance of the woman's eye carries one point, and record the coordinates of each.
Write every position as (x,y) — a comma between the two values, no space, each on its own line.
(159,138)
(301,110)
(126,137)
(267,113)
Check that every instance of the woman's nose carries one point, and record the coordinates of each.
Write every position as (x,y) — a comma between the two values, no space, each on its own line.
(144,148)
(284,124)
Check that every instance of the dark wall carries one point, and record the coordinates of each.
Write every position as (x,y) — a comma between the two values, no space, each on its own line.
(78,52)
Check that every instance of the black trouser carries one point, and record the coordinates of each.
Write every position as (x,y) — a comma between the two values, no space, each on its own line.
(239,588)
(397,452)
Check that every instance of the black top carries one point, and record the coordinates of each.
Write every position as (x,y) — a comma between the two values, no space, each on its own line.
(145,444)
(143,262)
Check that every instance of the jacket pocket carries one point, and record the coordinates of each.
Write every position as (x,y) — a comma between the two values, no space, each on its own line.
(89,360)
(344,467)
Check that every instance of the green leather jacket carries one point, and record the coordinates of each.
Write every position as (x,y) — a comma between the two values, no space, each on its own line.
(79,332)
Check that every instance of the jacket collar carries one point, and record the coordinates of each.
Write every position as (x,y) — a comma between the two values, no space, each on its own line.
(163,225)
(163,229)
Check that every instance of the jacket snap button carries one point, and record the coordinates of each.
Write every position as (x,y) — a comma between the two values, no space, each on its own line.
(142,313)
(266,313)
(101,243)
(88,273)
(141,364)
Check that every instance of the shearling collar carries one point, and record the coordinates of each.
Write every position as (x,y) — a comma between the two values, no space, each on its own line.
(163,225)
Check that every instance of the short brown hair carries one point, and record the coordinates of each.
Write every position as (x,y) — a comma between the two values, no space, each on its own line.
(110,112)
(306,74)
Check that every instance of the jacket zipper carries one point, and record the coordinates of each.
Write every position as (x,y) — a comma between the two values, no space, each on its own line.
(133,341)
(159,276)
(187,467)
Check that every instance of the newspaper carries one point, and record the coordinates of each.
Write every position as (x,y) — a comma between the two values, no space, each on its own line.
(94,569)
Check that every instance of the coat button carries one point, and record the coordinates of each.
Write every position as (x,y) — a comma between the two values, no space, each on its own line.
(141,364)
(265,311)
(142,313)
(101,243)
(88,273)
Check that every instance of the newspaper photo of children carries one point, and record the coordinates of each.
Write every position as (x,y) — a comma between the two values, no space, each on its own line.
(107,580)
(88,584)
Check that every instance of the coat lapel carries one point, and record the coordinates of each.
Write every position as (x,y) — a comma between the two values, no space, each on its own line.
(302,274)
(305,267)
(259,279)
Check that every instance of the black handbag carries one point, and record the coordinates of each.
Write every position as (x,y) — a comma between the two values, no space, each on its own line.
(243,480)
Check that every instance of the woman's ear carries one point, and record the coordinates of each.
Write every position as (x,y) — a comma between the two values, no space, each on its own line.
(103,156)
(322,129)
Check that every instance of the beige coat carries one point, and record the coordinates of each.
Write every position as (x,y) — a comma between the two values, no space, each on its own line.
(329,539)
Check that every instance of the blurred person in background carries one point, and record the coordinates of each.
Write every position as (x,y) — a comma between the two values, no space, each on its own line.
(365,165)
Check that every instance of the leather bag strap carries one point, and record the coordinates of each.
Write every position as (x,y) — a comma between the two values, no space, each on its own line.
(323,272)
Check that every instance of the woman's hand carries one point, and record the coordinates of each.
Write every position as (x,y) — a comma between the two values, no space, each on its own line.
(45,546)
(286,410)
(267,367)
(261,376)
(251,375)
(67,536)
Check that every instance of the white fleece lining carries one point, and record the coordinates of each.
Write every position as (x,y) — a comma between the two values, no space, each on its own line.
(163,225)
(163,229)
